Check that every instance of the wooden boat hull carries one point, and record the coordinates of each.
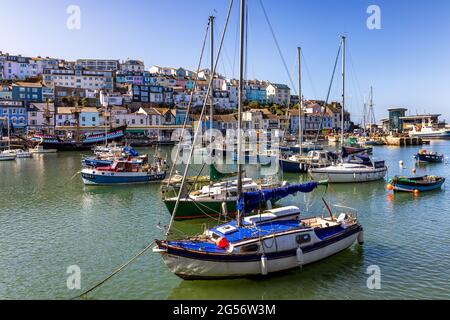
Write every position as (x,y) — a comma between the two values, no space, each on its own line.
(336,176)
(189,209)
(191,265)
(412,187)
(94,177)
(433,158)
(292,166)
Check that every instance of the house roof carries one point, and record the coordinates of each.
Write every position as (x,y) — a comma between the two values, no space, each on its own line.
(41,107)
(280,86)
(225,117)
(65,110)
(28,84)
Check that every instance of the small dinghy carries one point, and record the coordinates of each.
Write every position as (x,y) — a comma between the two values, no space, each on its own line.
(425,156)
(416,184)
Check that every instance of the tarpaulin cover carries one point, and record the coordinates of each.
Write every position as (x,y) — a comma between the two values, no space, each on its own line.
(252,200)
(130,151)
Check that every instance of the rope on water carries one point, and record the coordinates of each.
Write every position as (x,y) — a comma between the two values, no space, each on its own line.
(116,271)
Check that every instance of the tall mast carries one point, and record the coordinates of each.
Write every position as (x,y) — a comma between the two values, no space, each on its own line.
(211,107)
(240,98)
(9,130)
(300,101)
(343,88)
(371,110)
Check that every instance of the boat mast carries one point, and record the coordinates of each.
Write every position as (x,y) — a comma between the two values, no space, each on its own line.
(343,88)
(9,130)
(240,98)
(211,106)
(371,111)
(300,102)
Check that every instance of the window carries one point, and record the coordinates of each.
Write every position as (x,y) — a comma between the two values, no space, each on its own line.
(93,119)
(133,121)
(83,119)
(303,238)
(142,121)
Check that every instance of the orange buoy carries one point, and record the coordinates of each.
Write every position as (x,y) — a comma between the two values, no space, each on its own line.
(416,192)
(390,187)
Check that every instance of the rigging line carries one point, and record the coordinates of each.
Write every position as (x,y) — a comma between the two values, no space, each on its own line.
(235,47)
(313,87)
(201,117)
(225,70)
(188,107)
(328,94)
(352,64)
(116,271)
(278,47)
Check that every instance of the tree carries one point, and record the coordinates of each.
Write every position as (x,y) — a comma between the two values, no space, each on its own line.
(254,105)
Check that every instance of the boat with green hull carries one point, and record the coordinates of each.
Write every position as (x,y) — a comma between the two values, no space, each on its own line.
(218,199)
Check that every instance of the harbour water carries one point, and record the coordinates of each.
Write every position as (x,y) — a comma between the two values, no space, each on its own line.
(49,221)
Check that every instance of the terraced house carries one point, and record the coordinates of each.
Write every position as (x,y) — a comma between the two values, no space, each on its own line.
(27,92)
(279,94)
(14,113)
(78,77)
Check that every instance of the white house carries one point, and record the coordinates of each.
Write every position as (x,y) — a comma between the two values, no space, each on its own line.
(40,115)
(279,94)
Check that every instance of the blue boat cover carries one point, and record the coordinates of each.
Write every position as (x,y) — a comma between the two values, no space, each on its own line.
(130,151)
(252,200)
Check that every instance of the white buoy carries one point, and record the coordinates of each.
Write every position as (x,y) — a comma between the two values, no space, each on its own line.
(264,265)
(401,163)
(361,237)
(224,209)
(300,259)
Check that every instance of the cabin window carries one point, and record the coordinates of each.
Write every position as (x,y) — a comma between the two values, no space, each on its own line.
(215,236)
(303,238)
(250,248)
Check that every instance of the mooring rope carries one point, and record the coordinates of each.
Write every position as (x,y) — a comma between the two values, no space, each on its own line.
(116,271)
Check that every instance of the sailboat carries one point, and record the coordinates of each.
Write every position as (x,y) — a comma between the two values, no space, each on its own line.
(300,162)
(344,171)
(270,241)
(8,154)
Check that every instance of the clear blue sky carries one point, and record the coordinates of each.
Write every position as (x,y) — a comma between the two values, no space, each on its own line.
(407,61)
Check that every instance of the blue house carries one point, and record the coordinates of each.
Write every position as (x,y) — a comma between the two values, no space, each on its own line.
(15,113)
(256,93)
(27,92)
(89,117)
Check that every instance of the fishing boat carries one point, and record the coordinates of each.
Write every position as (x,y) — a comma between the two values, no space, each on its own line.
(39,149)
(346,172)
(123,172)
(246,248)
(106,156)
(7,156)
(214,200)
(21,154)
(426,156)
(313,159)
(415,184)
(429,131)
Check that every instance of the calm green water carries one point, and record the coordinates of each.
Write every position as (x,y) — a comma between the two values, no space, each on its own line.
(49,220)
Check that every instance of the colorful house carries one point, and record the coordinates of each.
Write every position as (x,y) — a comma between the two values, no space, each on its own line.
(27,92)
